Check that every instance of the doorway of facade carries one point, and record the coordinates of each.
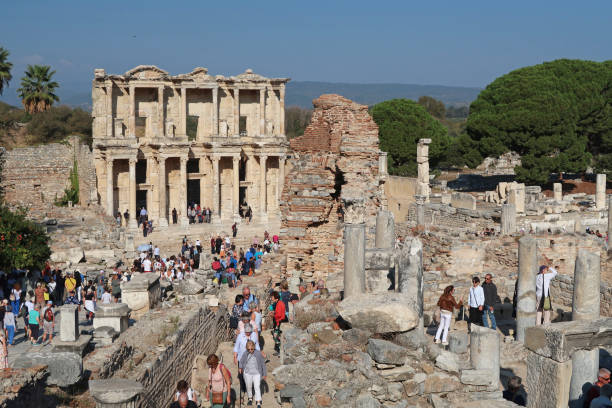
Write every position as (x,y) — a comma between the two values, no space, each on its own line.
(193,192)
(141,200)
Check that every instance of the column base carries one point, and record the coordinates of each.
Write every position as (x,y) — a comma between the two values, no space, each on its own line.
(162,223)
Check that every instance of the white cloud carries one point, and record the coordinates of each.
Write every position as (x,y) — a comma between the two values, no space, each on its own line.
(31,59)
(65,62)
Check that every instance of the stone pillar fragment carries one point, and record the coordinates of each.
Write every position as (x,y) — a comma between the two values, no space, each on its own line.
(382,163)
(163,211)
(132,118)
(420,210)
(132,224)
(69,323)
(484,351)
(115,392)
(236,186)
(526,286)
(215,112)
(281,123)
(600,192)
(262,111)
(410,274)
(236,111)
(110,201)
(262,186)
(558,191)
(585,306)
(423,168)
(216,190)
(517,197)
(548,381)
(183,193)
(508,219)
(385,230)
(354,259)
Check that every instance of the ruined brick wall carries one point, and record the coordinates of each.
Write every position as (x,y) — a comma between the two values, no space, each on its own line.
(36,176)
(335,159)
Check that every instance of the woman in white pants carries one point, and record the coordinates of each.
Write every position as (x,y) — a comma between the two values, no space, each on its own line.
(253,369)
(543,302)
(447,304)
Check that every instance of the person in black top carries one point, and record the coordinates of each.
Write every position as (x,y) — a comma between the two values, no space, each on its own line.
(513,392)
(126,216)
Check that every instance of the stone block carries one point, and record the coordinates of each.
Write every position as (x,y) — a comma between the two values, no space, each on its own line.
(463,200)
(549,381)
(69,323)
(105,335)
(395,314)
(292,391)
(447,361)
(441,382)
(476,377)
(141,293)
(356,336)
(78,347)
(115,392)
(458,342)
(73,255)
(385,352)
(115,315)
(402,373)
(65,369)
(366,400)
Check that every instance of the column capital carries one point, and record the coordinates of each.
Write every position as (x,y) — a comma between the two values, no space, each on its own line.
(236,159)
(263,156)
(109,162)
(133,160)
(215,158)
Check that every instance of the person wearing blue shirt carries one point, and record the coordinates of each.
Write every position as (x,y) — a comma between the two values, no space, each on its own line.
(248,298)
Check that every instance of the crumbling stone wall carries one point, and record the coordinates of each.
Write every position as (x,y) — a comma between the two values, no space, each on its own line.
(34,176)
(335,160)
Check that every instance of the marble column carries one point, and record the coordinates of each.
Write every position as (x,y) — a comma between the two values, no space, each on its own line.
(215,111)
(132,224)
(236,186)
(526,286)
(354,259)
(420,210)
(109,110)
(132,118)
(262,186)
(422,160)
(163,211)
(216,190)
(382,163)
(600,192)
(281,178)
(281,124)
(183,113)
(385,230)
(160,112)
(262,111)
(236,111)
(484,351)
(508,219)
(585,306)
(558,192)
(184,220)
(110,202)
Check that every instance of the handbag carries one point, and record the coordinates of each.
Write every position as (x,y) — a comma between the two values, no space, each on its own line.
(217,397)
(547,303)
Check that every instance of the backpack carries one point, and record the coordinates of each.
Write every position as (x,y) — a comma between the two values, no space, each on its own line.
(49,315)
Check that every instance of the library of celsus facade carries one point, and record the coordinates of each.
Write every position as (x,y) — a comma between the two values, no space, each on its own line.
(165,142)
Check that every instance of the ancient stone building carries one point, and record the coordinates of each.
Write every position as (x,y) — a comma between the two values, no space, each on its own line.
(335,163)
(164,142)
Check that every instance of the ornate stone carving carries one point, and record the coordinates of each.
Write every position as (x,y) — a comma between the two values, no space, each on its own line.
(354,211)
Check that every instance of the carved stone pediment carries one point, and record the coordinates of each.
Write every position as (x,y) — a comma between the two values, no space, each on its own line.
(146,72)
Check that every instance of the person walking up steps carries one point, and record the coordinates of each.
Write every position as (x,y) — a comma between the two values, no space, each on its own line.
(447,304)
(253,369)
(279,316)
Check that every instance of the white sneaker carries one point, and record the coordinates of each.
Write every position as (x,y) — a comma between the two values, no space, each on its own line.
(445,343)
(437,341)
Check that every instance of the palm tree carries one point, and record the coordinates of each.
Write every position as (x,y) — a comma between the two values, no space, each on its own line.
(37,89)
(5,69)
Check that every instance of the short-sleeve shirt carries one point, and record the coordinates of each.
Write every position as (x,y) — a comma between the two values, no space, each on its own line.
(70,284)
(33,317)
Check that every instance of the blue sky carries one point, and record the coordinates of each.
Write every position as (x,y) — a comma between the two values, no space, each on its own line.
(467,43)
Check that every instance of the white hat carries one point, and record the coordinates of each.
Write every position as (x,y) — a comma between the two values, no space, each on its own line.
(248,328)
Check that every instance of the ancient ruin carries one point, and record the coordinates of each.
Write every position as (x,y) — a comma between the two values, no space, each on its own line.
(145,155)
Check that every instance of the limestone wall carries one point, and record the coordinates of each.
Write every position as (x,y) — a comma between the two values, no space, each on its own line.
(33,176)
(562,292)
(400,192)
(447,216)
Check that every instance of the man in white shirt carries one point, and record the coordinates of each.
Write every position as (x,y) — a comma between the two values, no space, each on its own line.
(146,265)
(241,341)
(476,302)
(547,273)
(156,252)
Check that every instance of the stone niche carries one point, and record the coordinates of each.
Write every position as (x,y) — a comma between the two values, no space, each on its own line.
(141,293)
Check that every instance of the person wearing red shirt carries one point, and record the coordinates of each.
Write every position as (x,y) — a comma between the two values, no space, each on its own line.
(279,316)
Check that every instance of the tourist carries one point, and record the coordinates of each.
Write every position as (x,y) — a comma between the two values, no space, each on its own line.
(174,216)
(183,388)
(234,229)
(603,378)
(3,352)
(24,312)
(279,317)
(543,301)
(603,400)
(256,316)
(248,298)
(244,320)
(70,283)
(126,217)
(241,342)
(34,323)
(118,218)
(183,402)
(116,287)
(71,299)
(490,295)
(48,322)
(90,305)
(100,284)
(237,310)
(447,305)
(9,322)
(285,296)
(39,294)
(219,383)
(106,297)
(303,290)
(513,392)
(253,369)
(476,301)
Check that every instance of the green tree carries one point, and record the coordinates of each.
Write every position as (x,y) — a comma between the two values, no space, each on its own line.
(37,90)
(296,121)
(553,114)
(58,122)
(23,243)
(401,123)
(435,107)
(5,69)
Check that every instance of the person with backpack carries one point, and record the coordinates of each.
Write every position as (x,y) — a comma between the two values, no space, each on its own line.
(48,322)
(219,383)
(253,369)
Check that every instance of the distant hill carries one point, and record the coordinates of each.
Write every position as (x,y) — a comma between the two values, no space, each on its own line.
(301,93)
